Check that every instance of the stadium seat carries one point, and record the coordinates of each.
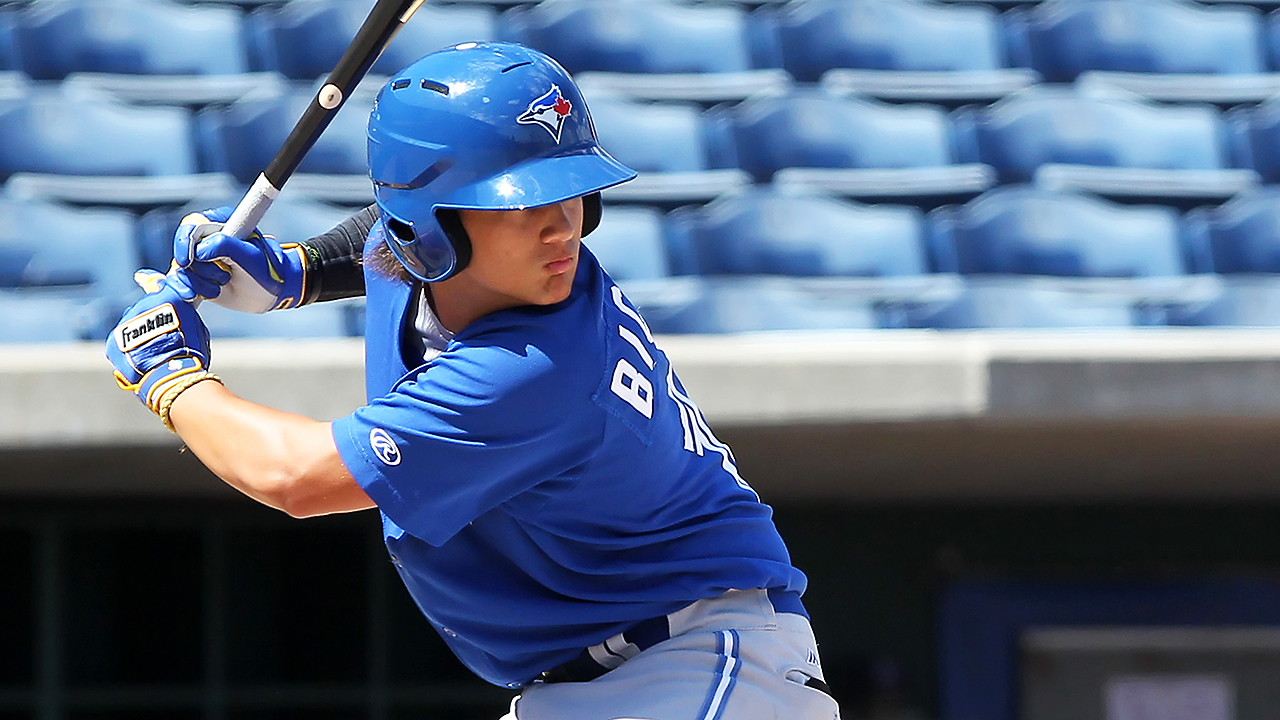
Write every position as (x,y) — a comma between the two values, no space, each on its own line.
(1244,301)
(1126,41)
(52,131)
(9,61)
(1111,144)
(57,37)
(1019,230)
(290,218)
(191,90)
(651,49)
(903,49)
(1254,134)
(1028,303)
(629,243)
(746,304)
(48,315)
(665,143)
(761,231)
(853,147)
(58,259)
(243,137)
(1242,236)
(327,319)
(304,39)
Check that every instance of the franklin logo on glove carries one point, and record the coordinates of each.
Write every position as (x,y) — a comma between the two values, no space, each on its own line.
(136,332)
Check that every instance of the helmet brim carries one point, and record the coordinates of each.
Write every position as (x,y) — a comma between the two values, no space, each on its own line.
(543,181)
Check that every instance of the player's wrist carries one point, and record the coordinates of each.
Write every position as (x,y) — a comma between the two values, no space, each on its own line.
(160,386)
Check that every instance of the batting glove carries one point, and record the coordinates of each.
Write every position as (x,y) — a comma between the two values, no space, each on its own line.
(273,276)
(160,347)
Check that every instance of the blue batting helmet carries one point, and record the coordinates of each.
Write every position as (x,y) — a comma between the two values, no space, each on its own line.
(480,126)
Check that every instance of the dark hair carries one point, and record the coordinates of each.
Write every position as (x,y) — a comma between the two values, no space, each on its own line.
(385,263)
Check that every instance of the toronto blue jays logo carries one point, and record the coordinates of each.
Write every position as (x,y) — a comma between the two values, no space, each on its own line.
(549,111)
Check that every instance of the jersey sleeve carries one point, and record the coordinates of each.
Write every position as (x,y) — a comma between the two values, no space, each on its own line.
(479,425)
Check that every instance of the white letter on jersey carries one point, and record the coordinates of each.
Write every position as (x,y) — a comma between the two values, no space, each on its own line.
(633,387)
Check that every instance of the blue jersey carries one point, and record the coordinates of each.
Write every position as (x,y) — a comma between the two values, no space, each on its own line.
(545,482)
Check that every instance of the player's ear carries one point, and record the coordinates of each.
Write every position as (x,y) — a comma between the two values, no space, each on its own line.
(591,209)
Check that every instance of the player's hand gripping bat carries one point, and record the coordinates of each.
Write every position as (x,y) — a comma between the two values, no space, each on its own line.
(379,28)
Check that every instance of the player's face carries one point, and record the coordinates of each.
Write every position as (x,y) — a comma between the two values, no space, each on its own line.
(523,257)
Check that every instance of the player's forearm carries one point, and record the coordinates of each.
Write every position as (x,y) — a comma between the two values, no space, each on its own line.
(280,459)
(334,268)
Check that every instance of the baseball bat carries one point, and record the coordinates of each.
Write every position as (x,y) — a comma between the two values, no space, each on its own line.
(375,33)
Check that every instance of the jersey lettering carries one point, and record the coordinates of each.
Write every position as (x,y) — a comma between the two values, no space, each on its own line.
(633,387)
(637,390)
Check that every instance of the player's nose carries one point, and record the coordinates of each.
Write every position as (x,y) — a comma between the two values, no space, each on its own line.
(557,223)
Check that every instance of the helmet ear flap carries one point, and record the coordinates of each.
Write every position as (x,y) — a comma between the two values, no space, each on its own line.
(451,222)
(591,211)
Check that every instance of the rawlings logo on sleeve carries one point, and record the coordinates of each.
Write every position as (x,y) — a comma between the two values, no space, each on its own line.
(144,328)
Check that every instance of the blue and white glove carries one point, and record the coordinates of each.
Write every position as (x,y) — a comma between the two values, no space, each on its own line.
(254,275)
(160,347)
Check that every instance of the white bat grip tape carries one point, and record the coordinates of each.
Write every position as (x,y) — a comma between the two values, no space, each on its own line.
(242,292)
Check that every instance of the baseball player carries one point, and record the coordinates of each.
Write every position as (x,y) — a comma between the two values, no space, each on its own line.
(552,498)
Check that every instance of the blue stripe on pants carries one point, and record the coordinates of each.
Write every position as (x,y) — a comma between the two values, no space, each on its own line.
(726,676)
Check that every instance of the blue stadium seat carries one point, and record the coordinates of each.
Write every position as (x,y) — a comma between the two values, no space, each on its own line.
(46,315)
(304,39)
(327,319)
(290,218)
(903,49)
(57,259)
(1017,230)
(1029,303)
(1244,301)
(57,37)
(629,243)
(8,45)
(665,142)
(1242,236)
(653,49)
(761,231)
(1113,144)
(747,304)
(243,137)
(49,131)
(1254,133)
(1063,39)
(864,148)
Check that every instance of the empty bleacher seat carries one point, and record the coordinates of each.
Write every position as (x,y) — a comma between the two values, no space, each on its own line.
(76,263)
(50,131)
(853,147)
(57,37)
(761,231)
(1112,144)
(1243,301)
(653,49)
(1031,303)
(1242,236)
(629,243)
(290,218)
(1254,134)
(328,319)
(898,48)
(1017,230)
(1164,49)
(665,143)
(304,39)
(191,90)
(8,48)
(243,137)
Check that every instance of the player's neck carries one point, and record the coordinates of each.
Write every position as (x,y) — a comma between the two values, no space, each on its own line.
(457,302)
